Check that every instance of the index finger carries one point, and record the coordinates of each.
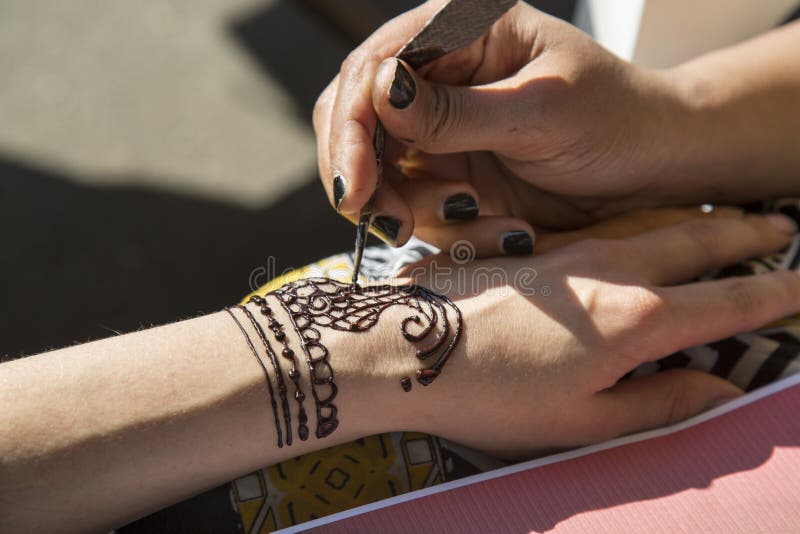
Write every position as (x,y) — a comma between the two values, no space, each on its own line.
(353,119)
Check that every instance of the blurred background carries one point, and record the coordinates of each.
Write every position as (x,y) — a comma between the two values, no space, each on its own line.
(153,155)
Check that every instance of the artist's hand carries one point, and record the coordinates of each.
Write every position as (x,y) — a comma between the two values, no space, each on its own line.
(535,123)
(547,338)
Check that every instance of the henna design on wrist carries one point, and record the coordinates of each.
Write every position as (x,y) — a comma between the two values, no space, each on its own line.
(315,303)
(287,415)
(288,354)
(266,375)
(318,303)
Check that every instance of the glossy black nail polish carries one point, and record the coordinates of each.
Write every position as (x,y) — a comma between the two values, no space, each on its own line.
(387,228)
(517,242)
(403,88)
(460,207)
(338,191)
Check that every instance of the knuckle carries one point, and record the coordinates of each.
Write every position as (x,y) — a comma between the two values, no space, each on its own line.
(316,116)
(742,299)
(702,234)
(643,306)
(352,61)
(599,252)
(444,118)
(355,62)
(643,315)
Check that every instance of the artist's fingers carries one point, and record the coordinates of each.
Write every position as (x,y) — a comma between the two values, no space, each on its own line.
(679,253)
(393,221)
(656,400)
(353,120)
(440,119)
(436,202)
(322,127)
(484,236)
(442,166)
(630,224)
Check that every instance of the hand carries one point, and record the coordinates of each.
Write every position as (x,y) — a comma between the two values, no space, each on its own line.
(535,124)
(538,372)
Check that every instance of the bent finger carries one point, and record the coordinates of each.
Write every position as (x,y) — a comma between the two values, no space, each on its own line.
(353,120)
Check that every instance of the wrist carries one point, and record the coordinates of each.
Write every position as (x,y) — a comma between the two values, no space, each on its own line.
(725,147)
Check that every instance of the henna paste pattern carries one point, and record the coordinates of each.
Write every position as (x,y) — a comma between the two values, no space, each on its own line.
(266,375)
(294,374)
(315,303)
(287,414)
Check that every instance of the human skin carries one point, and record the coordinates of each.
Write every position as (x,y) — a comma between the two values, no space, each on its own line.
(545,129)
(96,435)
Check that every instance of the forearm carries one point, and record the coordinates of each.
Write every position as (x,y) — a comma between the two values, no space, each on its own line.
(108,431)
(738,138)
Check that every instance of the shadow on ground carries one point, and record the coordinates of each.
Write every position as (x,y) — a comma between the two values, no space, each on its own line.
(80,263)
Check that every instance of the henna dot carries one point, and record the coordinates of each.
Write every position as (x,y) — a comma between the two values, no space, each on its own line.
(426,376)
(280,335)
(294,373)
(288,353)
(266,310)
(302,431)
(406,383)
(299,396)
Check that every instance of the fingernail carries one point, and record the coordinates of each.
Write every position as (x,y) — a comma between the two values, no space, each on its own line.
(338,191)
(782,223)
(460,207)
(386,228)
(403,88)
(517,242)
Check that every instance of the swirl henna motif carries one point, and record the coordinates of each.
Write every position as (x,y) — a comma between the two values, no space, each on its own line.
(315,303)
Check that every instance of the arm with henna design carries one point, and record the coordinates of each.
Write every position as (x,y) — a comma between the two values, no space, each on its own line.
(95,435)
(111,430)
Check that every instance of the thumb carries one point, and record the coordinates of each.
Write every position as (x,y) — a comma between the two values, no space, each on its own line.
(661,399)
(441,119)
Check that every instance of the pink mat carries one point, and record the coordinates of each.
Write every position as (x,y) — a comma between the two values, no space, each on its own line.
(736,472)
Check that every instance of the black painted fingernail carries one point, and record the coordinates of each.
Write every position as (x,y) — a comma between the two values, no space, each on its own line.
(403,88)
(387,228)
(460,207)
(338,191)
(517,242)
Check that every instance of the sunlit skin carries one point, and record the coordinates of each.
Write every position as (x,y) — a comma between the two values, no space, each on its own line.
(102,433)
(545,129)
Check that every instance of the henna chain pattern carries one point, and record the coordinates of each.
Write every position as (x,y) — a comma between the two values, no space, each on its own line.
(288,354)
(321,302)
(266,375)
(287,415)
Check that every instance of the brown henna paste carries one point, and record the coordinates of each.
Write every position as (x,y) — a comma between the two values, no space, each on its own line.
(318,303)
